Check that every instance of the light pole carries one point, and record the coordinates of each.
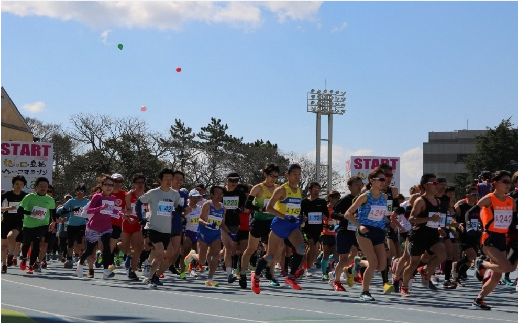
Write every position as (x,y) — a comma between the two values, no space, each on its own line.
(326,102)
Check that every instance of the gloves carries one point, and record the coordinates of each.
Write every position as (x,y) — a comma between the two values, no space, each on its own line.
(233,236)
(212,225)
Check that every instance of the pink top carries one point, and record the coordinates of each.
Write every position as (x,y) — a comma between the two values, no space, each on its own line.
(102,218)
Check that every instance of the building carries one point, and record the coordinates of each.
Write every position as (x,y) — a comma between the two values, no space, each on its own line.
(444,152)
(14,127)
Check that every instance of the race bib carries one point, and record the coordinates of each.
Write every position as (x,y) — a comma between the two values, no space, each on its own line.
(218,222)
(405,223)
(314,217)
(77,213)
(442,221)
(15,204)
(230,202)
(110,207)
(377,212)
(503,219)
(293,209)
(132,206)
(389,208)
(164,208)
(474,224)
(266,201)
(433,224)
(351,226)
(41,212)
(329,224)
(194,220)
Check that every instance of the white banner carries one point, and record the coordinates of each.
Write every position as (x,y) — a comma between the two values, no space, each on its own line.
(29,159)
(361,166)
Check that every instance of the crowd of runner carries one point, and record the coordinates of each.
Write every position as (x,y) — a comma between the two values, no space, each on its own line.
(271,231)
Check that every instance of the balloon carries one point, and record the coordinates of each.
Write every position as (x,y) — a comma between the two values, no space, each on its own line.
(178,69)
(120,46)
(143,108)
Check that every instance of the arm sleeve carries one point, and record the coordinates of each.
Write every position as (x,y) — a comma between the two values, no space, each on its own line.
(250,205)
(474,209)
(96,200)
(53,215)
(139,209)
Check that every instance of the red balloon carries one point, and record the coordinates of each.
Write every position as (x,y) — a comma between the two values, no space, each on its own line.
(178,69)
(143,108)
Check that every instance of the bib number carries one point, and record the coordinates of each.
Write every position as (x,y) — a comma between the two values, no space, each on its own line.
(314,217)
(389,208)
(230,202)
(41,212)
(433,224)
(351,227)
(15,204)
(109,209)
(164,208)
(503,219)
(377,212)
(474,224)
(292,209)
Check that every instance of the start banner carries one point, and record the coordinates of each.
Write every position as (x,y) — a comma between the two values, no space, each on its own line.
(361,166)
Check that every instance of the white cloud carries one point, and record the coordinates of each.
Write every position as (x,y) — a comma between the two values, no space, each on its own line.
(411,169)
(339,28)
(104,36)
(163,15)
(35,107)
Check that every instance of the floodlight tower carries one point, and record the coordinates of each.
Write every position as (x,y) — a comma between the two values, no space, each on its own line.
(326,102)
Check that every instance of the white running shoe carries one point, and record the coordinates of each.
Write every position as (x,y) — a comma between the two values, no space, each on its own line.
(107,273)
(79,270)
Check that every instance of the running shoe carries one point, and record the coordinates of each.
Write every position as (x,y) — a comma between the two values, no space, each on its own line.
(107,273)
(10,260)
(150,284)
(189,258)
(44,265)
(358,278)
(90,273)
(449,285)
(507,281)
(4,269)
(431,286)
(350,279)
(29,270)
(274,283)
(405,292)
(111,267)
(193,273)
(299,273)
(147,268)
(174,270)
(68,264)
(292,282)
(338,287)
(37,268)
(132,275)
(182,275)
(23,264)
(242,281)
(459,282)
(156,281)
(324,277)
(79,270)
(231,278)
(309,273)
(424,276)
(211,283)
(15,262)
(200,268)
(388,288)
(255,284)
(397,285)
(161,276)
(356,268)
(479,303)
(366,297)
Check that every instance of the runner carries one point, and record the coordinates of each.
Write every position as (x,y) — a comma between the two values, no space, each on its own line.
(424,236)
(328,235)
(76,224)
(162,202)
(99,227)
(260,225)
(371,207)
(189,243)
(12,220)
(49,239)
(314,210)
(512,233)
(132,234)
(346,242)
(234,201)
(285,205)
(211,224)
(117,222)
(39,209)
(243,228)
(496,213)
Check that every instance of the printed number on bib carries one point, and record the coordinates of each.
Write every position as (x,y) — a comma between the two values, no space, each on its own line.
(377,212)
(351,227)
(314,217)
(474,224)
(194,220)
(110,207)
(41,212)
(442,221)
(503,219)
(293,209)
(433,224)
(230,202)
(15,204)
(389,204)
(164,208)
(218,222)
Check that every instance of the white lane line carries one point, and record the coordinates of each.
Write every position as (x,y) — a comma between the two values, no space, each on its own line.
(63,317)
(132,303)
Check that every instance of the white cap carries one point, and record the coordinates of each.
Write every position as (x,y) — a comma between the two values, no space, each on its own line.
(194,193)
(116,175)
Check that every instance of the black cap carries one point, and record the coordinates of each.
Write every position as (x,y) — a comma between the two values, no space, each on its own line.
(201,186)
(232,174)
(441,180)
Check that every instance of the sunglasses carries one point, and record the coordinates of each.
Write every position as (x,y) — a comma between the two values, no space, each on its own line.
(335,196)
(108,185)
(233,180)
(381,179)
(273,176)
(432,183)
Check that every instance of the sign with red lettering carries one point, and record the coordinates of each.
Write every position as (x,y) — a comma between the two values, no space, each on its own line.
(361,166)
(29,159)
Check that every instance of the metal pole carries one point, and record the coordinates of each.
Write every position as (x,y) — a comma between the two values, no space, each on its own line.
(329,151)
(318,145)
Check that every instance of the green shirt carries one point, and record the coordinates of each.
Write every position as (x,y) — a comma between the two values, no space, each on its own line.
(34,202)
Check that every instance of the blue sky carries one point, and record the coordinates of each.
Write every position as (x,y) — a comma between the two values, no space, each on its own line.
(408,68)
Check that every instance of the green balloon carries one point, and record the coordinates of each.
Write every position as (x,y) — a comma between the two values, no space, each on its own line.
(120,46)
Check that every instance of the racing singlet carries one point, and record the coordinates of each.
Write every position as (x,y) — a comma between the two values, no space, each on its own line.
(291,205)
(497,217)
(261,202)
